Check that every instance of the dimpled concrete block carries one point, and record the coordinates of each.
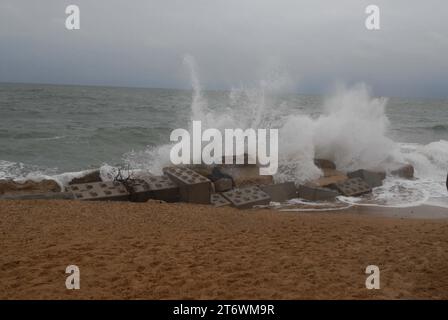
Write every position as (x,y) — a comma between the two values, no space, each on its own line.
(193,187)
(244,198)
(139,190)
(353,187)
(219,201)
(100,191)
(163,188)
(313,193)
(281,192)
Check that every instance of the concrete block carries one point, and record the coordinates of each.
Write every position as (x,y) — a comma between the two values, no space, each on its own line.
(163,188)
(223,184)
(193,187)
(100,191)
(353,187)
(245,175)
(203,169)
(218,200)
(139,190)
(280,192)
(372,178)
(313,193)
(247,197)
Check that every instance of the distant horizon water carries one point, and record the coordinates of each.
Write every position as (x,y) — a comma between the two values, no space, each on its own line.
(208,89)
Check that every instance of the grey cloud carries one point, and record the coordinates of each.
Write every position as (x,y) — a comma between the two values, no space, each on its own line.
(141,43)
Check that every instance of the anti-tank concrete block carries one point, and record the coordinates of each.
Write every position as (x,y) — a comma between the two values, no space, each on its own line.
(280,192)
(100,191)
(247,197)
(218,200)
(353,187)
(194,188)
(162,188)
(313,193)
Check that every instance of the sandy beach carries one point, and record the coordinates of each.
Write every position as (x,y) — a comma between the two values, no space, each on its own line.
(181,251)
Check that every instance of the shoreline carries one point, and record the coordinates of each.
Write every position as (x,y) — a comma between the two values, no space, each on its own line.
(182,251)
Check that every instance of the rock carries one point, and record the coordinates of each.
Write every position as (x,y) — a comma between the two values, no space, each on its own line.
(245,175)
(90,177)
(223,184)
(404,171)
(324,164)
(372,178)
(280,192)
(313,193)
(330,177)
(28,187)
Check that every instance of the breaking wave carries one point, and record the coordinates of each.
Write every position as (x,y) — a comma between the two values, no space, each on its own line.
(349,128)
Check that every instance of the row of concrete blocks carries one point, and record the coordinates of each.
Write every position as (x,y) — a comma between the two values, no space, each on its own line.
(177,184)
(185,185)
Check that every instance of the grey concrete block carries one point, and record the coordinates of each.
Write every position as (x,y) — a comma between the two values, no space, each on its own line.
(218,200)
(193,187)
(139,190)
(100,191)
(280,192)
(247,197)
(312,193)
(353,187)
(372,178)
(162,188)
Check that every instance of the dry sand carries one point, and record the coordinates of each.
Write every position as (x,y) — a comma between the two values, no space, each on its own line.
(180,251)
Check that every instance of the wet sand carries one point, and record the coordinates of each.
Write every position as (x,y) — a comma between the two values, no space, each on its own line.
(179,251)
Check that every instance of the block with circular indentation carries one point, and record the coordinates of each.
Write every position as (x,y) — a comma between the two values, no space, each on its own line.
(219,201)
(244,198)
(353,187)
(99,191)
(193,187)
(162,188)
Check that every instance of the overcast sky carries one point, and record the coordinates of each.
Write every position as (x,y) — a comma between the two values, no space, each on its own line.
(312,44)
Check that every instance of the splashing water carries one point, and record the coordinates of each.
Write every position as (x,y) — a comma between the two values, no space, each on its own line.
(350,127)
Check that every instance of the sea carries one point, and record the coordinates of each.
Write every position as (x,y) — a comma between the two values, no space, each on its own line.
(59,132)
